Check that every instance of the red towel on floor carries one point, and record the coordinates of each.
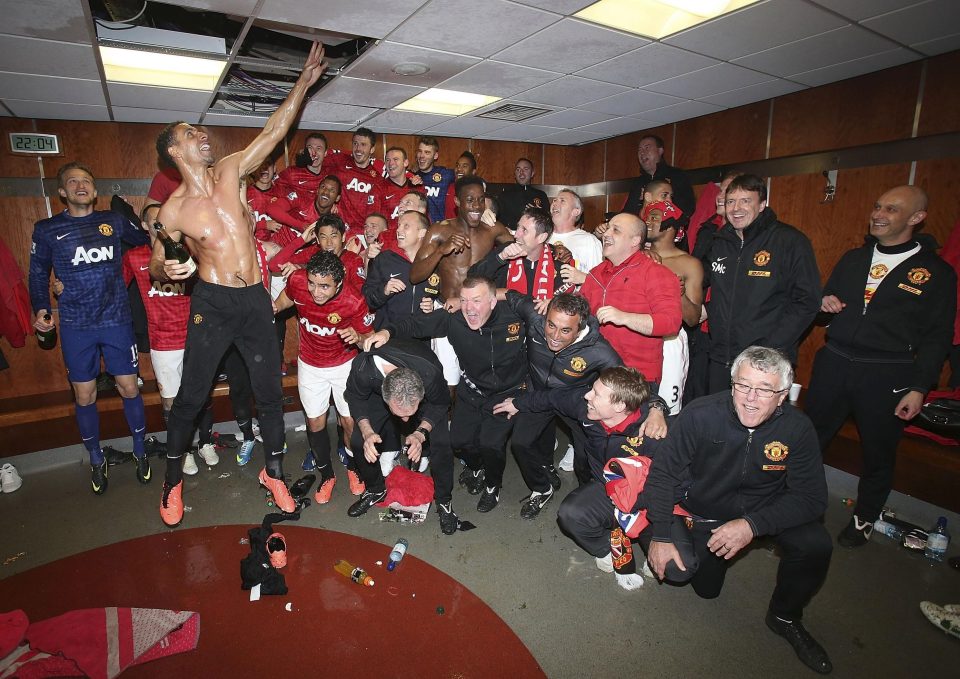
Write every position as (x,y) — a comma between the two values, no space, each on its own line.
(94,642)
(408,488)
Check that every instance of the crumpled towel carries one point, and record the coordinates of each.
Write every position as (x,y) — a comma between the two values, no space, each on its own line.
(93,642)
(407,488)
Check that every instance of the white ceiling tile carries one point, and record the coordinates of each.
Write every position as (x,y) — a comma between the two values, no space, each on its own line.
(372,93)
(123,114)
(571,90)
(60,20)
(470,27)
(628,103)
(939,46)
(520,132)
(466,126)
(498,80)
(569,46)
(146,96)
(756,28)
(709,81)
(372,18)
(832,47)
(572,118)
(325,112)
(752,93)
(46,110)
(236,7)
(615,126)
(863,9)
(47,88)
(377,64)
(648,64)
(404,121)
(849,69)
(919,23)
(560,6)
(681,111)
(234,120)
(570,137)
(47,57)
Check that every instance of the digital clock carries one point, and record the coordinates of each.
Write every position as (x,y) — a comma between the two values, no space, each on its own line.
(34,143)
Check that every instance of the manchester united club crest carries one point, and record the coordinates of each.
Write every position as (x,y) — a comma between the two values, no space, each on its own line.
(197,319)
(918,276)
(635,441)
(437,176)
(373,173)
(107,230)
(578,364)
(513,328)
(776,451)
(762,258)
(334,318)
(434,280)
(878,271)
(537,202)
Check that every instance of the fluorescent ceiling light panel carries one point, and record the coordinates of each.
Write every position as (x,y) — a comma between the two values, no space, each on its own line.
(150,56)
(164,70)
(657,18)
(446,102)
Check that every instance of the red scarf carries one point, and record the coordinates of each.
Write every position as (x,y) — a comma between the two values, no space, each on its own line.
(545,275)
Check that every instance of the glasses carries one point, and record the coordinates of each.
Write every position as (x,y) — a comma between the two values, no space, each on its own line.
(761,392)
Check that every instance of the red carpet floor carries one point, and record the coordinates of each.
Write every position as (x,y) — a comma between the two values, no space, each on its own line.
(336,628)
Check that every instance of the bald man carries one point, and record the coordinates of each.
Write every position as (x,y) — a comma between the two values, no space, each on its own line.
(890,306)
(636,300)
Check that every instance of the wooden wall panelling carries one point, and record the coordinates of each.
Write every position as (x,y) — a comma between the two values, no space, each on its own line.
(615,202)
(872,108)
(593,209)
(572,165)
(940,110)
(496,160)
(726,137)
(941,180)
(32,370)
(621,152)
(833,228)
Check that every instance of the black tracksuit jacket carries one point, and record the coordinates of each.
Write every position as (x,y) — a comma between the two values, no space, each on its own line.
(385,266)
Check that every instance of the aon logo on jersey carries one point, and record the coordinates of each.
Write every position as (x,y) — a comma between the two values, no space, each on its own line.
(359,186)
(92,255)
(166,289)
(317,329)
(433,191)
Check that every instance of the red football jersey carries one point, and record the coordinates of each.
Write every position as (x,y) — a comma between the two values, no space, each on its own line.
(362,189)
(320,345)
(392,195)
(356,271)
(167,304)
(298,182)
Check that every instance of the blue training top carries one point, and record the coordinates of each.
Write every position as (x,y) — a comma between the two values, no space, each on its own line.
(85,255)
(436,182)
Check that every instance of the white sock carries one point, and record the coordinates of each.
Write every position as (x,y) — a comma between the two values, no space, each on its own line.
(605,563)
(630,581)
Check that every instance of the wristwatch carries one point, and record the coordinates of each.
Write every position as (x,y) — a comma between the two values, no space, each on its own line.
(426,433)
(659,405)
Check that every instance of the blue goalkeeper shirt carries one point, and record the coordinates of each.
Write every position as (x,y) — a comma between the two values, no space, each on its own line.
(436,182)
(85,254)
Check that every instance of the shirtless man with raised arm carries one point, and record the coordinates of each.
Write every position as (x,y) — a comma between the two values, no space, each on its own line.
(230,304)
(454,245)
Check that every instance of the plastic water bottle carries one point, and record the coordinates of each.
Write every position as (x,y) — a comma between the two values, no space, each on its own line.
(399,550)
(886,528)
(937,541)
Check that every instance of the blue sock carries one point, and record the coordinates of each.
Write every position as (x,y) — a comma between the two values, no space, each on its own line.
(88,422)
(137,420)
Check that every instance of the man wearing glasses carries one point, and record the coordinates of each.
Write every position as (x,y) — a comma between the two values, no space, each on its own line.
(743,466)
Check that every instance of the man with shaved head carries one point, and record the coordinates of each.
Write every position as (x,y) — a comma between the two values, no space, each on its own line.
(636,300)
(891,305)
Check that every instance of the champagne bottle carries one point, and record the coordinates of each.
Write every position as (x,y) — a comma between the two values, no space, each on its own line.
(173,249)
(47,339)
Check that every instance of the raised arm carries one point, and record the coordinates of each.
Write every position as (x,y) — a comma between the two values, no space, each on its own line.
(279,122)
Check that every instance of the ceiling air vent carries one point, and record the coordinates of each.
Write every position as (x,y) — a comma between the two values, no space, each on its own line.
(514,113)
